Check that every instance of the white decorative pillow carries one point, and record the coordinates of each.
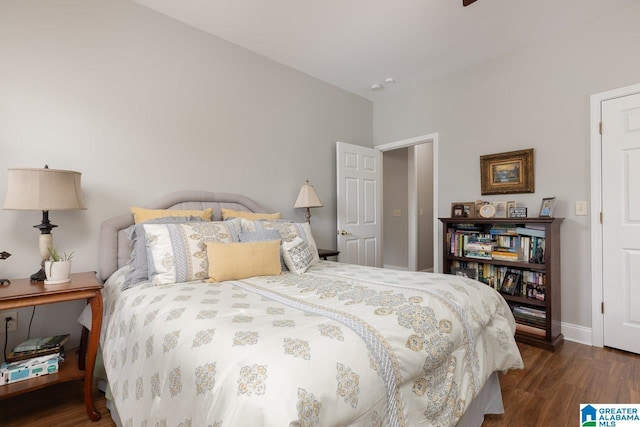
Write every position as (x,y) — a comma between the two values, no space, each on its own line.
(178,252)
(297,255)
(139,271)
(288,231)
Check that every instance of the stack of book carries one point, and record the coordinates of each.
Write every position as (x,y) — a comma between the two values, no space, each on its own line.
(478,249)
(32,358)
(531,315)
(505,254)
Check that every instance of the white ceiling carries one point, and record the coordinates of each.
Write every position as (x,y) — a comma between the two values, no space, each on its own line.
(355,43)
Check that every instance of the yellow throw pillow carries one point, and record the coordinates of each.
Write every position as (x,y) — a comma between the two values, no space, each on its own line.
(233,261)
(230,213)
(142,214)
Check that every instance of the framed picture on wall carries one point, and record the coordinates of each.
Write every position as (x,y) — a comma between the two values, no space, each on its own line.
(505,173)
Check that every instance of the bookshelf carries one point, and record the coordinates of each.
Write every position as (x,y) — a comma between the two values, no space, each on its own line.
(504,253)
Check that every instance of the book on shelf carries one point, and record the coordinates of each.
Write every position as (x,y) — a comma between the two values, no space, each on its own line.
(528,231)
(508,242)
(505,256)
(478,245)
(478,255)
(530,330)
(42,343)
(538,323)
(529,312)
(529,315)
(503,229)
(30,354)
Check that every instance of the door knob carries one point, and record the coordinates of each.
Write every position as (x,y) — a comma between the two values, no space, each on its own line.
(344,233)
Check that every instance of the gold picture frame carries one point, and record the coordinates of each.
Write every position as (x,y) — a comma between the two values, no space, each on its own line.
(507,173)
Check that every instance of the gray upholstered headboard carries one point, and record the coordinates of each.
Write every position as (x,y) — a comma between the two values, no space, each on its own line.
(114,249)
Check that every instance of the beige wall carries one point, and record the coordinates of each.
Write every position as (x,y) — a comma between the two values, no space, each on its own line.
(396,165)
(143,105)
(396,197)
(537,97)
(424,156)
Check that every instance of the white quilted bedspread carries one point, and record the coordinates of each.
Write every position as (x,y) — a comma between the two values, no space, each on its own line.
(340,345)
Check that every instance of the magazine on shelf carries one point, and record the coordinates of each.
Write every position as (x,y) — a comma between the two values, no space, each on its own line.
(42,343)
(24,355)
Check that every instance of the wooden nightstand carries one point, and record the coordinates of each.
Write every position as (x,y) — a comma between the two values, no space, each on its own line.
(24,293)
(324,253)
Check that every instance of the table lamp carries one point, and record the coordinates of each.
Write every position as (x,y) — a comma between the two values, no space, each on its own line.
(307,198)
(43,190)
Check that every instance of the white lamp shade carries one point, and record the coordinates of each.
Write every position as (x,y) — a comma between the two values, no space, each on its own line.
(43,190)
(307,197)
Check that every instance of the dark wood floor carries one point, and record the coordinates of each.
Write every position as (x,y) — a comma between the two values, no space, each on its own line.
(551,387)
(547,392)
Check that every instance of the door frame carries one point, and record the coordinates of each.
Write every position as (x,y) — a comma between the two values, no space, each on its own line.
(412,209)
(597,292)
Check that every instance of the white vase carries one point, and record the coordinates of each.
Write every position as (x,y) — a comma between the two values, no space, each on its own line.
(57,272)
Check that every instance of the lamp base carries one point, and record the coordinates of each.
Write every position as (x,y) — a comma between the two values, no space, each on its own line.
(39,276)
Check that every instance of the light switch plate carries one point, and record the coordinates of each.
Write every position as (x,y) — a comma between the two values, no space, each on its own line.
(581,208)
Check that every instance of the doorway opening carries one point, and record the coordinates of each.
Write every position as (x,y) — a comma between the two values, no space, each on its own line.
(410,203)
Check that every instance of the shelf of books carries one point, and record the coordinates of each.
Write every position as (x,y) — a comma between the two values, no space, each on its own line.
(38,363)
(520,258)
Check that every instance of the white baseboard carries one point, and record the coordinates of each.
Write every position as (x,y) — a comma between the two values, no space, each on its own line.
(577,333)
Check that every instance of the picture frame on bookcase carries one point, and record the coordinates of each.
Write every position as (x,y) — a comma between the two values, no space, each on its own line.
(501,209)
(457,210)
(547,207)
(518,212)
(511,281)
(535,291)
(463,210)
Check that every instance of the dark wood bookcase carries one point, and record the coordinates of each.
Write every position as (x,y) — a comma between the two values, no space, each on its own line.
(543,330)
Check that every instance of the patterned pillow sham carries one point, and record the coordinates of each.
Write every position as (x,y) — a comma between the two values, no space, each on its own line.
(297,255)
(178,252)
(143,214)
(288,231)
(139,271)
(230,213)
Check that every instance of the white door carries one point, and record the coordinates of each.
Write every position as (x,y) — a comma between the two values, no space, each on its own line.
(359,178)
(621,222)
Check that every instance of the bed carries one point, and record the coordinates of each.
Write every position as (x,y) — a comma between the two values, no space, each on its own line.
(335,345)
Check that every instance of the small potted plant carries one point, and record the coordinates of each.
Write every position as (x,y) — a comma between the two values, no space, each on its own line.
(57,267)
